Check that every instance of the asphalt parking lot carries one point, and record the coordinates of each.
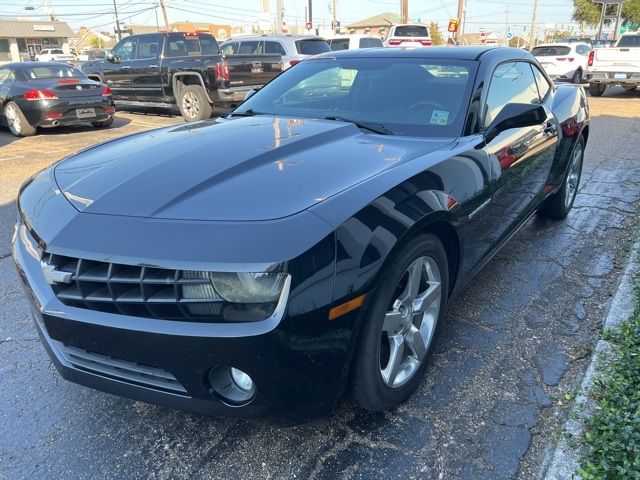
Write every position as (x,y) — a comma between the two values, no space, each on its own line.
(516,341)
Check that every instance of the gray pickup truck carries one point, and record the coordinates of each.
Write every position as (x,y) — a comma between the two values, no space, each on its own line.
(183,69)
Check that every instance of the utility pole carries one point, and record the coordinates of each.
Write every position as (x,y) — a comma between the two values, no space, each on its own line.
(335,16)
(310,12)
(458,35)
(506,27)
(115,9)
(404,10)
(163,6)
(278,17)
(532,35)
(602,15)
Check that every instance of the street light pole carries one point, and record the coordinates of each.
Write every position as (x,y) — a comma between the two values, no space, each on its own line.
(457,34)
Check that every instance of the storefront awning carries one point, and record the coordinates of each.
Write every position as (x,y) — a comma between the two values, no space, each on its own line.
(34,29)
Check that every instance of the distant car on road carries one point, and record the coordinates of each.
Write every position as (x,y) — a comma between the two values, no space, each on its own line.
(305,245)
(186,69)
(354,42)
(48,94)
(292,48)
(408,36)
(563,61)
(54,55)
(619,65)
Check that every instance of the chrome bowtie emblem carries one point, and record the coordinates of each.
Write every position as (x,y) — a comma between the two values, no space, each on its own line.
(53,276)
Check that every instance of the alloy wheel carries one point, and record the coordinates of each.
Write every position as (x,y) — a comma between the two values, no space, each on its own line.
(573,176)
(190,105)
(410,322)
(13,119)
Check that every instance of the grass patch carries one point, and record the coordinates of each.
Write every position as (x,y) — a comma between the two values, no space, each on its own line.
(611,439)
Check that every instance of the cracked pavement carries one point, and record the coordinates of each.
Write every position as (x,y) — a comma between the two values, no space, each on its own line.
(515,341)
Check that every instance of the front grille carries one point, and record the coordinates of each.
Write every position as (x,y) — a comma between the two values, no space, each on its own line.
(129,372)
(147,292)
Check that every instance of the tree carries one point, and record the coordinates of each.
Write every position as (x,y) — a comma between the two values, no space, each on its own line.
(434,32)
(517,42)
(97,43)
(587,13)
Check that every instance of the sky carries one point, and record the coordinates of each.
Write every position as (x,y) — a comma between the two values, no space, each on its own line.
(488,14)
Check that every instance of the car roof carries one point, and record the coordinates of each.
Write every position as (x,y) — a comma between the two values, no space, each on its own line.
(262,37)
(453,53)
(560,44)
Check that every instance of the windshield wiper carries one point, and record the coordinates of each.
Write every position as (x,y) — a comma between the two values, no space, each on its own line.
(372,127)
(247,113)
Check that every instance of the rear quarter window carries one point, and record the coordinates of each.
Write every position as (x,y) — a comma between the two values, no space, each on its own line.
(338,44)
(370,42)
(312,46)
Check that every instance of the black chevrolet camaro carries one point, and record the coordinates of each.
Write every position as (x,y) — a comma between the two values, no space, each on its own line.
(265,263)
(49,94)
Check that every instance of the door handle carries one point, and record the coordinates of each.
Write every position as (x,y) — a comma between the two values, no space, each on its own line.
(126,67)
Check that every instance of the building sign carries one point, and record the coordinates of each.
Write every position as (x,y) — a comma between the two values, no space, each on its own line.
(39,27)
(454,24)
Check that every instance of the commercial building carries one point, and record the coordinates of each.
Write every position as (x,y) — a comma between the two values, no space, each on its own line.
(21,40)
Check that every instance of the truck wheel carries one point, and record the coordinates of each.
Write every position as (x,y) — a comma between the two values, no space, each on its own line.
(193,104)
(597,89)
(17,122)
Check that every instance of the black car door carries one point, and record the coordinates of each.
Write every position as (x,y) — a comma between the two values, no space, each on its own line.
(117,73)
(145,68)
(521,157)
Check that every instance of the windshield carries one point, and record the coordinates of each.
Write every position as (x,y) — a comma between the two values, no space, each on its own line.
(550,51)
(61,71)
(417,97)
(312,46)
(629,41)
(411,31)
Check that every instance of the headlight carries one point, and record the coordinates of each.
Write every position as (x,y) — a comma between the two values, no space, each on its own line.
(249,287)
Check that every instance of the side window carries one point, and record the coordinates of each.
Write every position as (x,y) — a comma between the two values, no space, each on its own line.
(274,47)
(6,77)
(209,45)
(543,84)
(511,82)
(252,47)
(148,47)
(124,50)
(230,48)
(182,45)
(338,44)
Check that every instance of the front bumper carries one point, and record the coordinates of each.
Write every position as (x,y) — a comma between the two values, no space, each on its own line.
(299,365)
(49,113)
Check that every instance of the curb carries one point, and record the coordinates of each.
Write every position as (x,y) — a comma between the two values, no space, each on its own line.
(562,462)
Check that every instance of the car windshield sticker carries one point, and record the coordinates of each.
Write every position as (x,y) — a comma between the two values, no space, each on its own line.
(439,117)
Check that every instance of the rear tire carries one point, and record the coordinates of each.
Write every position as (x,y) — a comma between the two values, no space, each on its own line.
(17,122)
(577,77)
(597,89)
(558,205)
(193,104)
(104,123)
(395,323)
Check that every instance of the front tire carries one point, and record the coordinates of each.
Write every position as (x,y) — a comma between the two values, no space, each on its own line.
(597,89)
(401,325)
(17,122)
(557,206)
(104,123)
(193,104)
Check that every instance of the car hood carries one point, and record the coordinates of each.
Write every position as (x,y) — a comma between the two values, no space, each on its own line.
(255,168)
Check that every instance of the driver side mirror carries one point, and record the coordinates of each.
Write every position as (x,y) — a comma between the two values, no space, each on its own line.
(515,115)
(110,57)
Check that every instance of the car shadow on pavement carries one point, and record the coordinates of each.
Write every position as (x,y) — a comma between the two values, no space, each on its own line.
(168,111)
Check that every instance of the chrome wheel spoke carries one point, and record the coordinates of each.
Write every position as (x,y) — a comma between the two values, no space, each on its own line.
(392,321)
(415,342)
(413,281)
(396,352)
(428,298)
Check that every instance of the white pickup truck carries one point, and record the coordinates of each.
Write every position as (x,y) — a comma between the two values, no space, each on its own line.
(54,55)
(619,65)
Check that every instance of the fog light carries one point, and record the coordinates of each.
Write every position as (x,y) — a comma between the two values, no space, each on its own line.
(233,386)
(242,379)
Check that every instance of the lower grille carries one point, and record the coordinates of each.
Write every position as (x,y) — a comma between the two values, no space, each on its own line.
(129,372)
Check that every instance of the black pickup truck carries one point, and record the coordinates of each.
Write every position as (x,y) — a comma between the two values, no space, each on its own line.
(186,69)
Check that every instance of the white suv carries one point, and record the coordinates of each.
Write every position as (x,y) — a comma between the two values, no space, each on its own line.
(563,61)
(53,55)
(408,36)
(292,48)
